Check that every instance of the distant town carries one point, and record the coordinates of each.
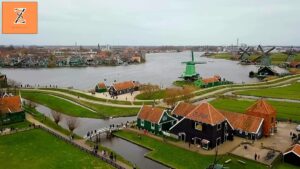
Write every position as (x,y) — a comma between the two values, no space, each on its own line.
(100,55)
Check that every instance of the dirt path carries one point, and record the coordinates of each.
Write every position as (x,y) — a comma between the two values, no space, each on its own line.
(80,142)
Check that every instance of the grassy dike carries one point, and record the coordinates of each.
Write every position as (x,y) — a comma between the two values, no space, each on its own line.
(69,108)
(90,97)
(288,92)
(37,149)
(285,110)
(180,158)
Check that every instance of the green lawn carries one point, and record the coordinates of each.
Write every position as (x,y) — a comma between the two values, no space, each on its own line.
(47,121)
(59,105)
(285,110)
(287,166)
(72,109)
(90,97)
(289,92)
(180,158)
(36,149)
(154,96)
(19,125)
(277,58)
(227,56)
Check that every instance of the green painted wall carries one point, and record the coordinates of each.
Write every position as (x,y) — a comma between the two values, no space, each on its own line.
(10,118)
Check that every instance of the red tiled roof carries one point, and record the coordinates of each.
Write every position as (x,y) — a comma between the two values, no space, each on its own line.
(11,104)
(243,122)
(182,109)
(101,85)
(295,149)
(206,113)
(124,85)
(150,113)
(211,79)
(261,107)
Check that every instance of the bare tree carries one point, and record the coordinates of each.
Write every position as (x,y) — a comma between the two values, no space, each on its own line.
(31,104)
(72,123)
(149,89)
(172,96)
(187,93)
(56,116)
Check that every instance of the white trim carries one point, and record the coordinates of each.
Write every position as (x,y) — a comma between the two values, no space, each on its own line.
(140,111)
(176,123)
(230,124)
(292,151)
(259,126)
(161,116)
(175,107)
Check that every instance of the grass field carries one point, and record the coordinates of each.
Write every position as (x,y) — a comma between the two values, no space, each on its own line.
(156,95)
(277,58)
(72,109)
(285,110)
(181,158)
(19,125)
(288,92)
(47,121)
(37,149)
(90,97)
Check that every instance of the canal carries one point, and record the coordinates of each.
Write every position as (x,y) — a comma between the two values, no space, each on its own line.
(160,68)
(131,152)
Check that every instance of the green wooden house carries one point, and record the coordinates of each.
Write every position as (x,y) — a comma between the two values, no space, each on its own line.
(154,120)
(100,88)
(11,110)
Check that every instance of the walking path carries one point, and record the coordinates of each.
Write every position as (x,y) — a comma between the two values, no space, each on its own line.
(84,99)
(80,142)
(231,88)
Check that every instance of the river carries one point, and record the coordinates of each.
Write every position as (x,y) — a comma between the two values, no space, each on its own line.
(160,68)
(131,152)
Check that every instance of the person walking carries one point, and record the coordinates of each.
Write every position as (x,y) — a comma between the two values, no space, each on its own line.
(255,156)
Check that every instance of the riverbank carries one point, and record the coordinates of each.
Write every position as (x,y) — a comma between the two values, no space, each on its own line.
(66,105)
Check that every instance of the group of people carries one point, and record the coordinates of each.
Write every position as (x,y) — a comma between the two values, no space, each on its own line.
(112,156)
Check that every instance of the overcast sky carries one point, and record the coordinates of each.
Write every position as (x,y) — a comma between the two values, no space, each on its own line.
(164,22)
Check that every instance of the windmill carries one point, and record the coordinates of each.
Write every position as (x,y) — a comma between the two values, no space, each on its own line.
(190,73)
(265,63)
(265,59)
(244,55)
(291,55)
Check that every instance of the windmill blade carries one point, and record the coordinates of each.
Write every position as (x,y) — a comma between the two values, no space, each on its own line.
(261,49)
(270,50)
(254,60)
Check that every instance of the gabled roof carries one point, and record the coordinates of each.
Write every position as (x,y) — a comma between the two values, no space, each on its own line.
(261,107)
(211,79)
(101,85)
(182,109)
(10,104)
(244,122)
(295,149)
(206,113)
(124,85)
(149,113)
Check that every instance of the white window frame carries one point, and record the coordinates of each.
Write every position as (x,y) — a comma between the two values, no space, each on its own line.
(152,126)
(142,123)
(219,128)
(159,127)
